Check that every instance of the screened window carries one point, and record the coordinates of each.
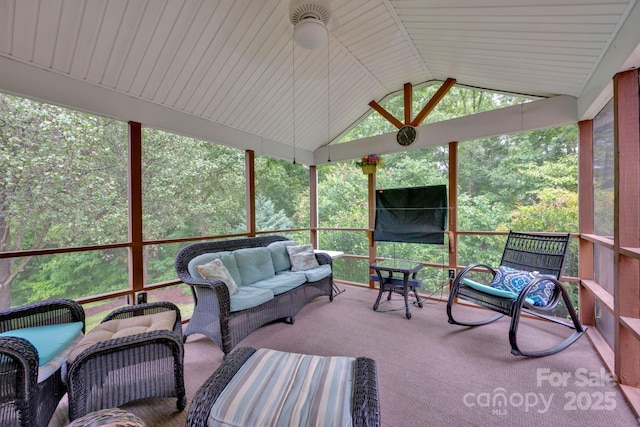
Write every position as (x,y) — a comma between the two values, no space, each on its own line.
(190,187)
(63,184)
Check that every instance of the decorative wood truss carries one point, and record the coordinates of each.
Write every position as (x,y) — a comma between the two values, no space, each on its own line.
(408,98)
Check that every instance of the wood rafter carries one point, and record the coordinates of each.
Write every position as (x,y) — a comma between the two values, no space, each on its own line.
(387,115)
(408,101)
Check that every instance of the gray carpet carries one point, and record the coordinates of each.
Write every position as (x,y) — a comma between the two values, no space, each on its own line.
(430,372)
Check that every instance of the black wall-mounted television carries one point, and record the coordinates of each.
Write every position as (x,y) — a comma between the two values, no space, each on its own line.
(411,215)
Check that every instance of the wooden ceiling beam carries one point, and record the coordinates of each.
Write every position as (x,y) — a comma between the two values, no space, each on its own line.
(387,115)
(408,102)
(435,99)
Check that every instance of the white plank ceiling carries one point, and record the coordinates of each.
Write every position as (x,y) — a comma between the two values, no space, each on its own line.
(233,64)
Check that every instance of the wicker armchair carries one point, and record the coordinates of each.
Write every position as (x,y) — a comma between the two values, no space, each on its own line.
(119,370)
(538,258)
(25,401)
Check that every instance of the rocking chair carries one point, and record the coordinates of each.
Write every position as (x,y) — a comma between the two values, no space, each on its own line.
(526,281)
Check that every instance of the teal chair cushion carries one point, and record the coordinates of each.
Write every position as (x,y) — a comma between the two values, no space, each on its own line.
(49,340)
(488,289)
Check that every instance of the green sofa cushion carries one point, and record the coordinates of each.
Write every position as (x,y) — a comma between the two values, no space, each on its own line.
(281,282)
(318,273)
(280,256)
(248,297)
(255,264)
(227,258)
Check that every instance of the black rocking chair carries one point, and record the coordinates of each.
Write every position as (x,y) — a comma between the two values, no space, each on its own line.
(538,258)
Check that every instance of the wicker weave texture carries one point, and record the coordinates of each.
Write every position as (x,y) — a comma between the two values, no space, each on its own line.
(212,315)
(24,401)
(113,417)
(120,370)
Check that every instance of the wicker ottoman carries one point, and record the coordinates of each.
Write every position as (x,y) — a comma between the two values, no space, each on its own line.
(108,418)
(261,387)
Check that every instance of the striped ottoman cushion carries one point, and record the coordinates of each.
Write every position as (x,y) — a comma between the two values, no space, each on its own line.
(275,388)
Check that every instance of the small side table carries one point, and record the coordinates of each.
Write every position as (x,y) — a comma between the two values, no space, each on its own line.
(390,284)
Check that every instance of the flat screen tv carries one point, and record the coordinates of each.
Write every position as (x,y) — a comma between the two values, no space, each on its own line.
(411,215)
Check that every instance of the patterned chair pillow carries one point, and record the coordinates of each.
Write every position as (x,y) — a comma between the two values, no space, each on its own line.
(302,257)
(513,280)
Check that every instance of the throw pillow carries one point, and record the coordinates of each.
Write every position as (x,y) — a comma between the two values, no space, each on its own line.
(514,280)
(302,257)
(215,270)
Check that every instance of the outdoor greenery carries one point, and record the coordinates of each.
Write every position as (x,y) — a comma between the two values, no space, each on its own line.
(524,182)
(64,184)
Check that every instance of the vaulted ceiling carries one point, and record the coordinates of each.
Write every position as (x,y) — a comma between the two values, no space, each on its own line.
(229,71)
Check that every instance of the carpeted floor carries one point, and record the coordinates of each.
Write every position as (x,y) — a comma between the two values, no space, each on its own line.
(430,373)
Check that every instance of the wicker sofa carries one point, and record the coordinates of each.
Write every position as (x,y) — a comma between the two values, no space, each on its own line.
(214,313)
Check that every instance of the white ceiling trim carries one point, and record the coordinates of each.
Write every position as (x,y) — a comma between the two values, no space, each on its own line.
(57,88)
(550,112)
(599,89)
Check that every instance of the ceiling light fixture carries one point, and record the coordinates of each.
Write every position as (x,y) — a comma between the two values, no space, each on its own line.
(310,18)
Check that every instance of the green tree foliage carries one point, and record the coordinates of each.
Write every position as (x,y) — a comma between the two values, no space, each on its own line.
(64,183)
(205,180)
(292,200)
(525,181)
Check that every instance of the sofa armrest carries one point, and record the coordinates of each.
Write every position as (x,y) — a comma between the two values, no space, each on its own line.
(324,258)
(217,290)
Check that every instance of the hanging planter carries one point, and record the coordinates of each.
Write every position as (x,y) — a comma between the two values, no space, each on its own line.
(369,163)
(369,169)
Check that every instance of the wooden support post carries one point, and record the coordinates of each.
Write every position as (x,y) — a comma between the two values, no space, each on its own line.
(408,102)
(250,191)
(136,252)
(453,204)
(586,219)
(372,221)
(313,205)
(626,223)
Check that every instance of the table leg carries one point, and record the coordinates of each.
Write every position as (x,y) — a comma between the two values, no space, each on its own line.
(405,293)
(419,301)
(380,291)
